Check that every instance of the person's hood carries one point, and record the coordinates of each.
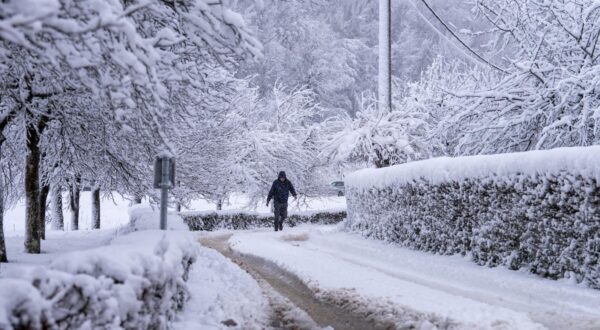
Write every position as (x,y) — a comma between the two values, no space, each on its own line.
(282,175)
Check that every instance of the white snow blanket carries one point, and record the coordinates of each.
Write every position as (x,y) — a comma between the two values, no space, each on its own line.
(221,291)
(418,289)
(575,160)
(143,279)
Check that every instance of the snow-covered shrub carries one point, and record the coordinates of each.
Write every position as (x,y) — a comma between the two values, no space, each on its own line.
(138,282)
(143,217)
(537,210)
(209,221)
(21,306)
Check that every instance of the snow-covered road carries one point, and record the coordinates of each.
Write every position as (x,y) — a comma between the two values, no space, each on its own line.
(396,284)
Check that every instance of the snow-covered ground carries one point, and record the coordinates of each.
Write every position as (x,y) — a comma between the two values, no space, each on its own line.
(334,263)
(219,290)
(114,210)
(389,282)
(113,214)
(239,202)
(56,244)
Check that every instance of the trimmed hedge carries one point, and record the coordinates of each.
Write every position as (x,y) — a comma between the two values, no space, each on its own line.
(209,221)
(548,223)
(127,286)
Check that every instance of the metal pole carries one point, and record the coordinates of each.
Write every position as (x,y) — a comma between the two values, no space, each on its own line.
(385,56)
(164,194)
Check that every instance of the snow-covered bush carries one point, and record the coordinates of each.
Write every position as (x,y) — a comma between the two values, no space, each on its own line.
(380,137)
(134,283)
(537,210)
(143,217)
(209,221)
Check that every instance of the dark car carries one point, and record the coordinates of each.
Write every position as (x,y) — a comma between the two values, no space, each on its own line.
(339,187)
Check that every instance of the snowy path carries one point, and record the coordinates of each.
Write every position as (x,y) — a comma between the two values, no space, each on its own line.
(293,305)
(392,280)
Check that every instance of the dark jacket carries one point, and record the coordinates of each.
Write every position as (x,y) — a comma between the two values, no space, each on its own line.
(280,191)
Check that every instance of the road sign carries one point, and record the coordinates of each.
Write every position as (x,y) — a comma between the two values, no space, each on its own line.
(158,172)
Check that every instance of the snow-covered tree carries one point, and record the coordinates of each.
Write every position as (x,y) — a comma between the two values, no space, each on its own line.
(79,59)
(549,96)
(378,136)
(279,136)
(247,141)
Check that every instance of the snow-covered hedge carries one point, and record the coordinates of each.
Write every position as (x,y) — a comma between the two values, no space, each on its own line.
(209,221)
(137,282)
(537,210)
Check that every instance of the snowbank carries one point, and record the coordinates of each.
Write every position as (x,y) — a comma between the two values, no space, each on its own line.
(537,210)
(144,279)
(144,217)
(220,292)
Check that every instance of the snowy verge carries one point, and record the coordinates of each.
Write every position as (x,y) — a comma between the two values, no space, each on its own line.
(538,211)
(144,279)
(222,293)
(235,220)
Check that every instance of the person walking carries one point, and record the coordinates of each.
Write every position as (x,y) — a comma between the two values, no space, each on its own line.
(279,193)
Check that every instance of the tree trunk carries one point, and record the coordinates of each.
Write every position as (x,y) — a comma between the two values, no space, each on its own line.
(137,200)
(58,220)
(178,203)
(96,208)
(74,203)
(385,56)
(3,123)
(32,191)
(219,205)
(42,220)
(3,257)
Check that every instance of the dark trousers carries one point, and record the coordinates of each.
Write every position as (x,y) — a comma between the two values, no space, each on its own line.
(280,210)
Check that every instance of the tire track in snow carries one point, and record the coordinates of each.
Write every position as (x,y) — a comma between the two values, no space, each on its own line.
(558,318)
(294,305)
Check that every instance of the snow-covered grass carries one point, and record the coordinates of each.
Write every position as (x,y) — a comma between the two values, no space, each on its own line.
(115,210)
(113,214)
(337,265)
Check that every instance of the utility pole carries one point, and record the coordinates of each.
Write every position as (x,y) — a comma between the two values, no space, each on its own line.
(385,56)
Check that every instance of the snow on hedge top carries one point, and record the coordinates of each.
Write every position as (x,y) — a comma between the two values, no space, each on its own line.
(575,160)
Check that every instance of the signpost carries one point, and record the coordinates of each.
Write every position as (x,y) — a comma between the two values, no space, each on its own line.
(164,178)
